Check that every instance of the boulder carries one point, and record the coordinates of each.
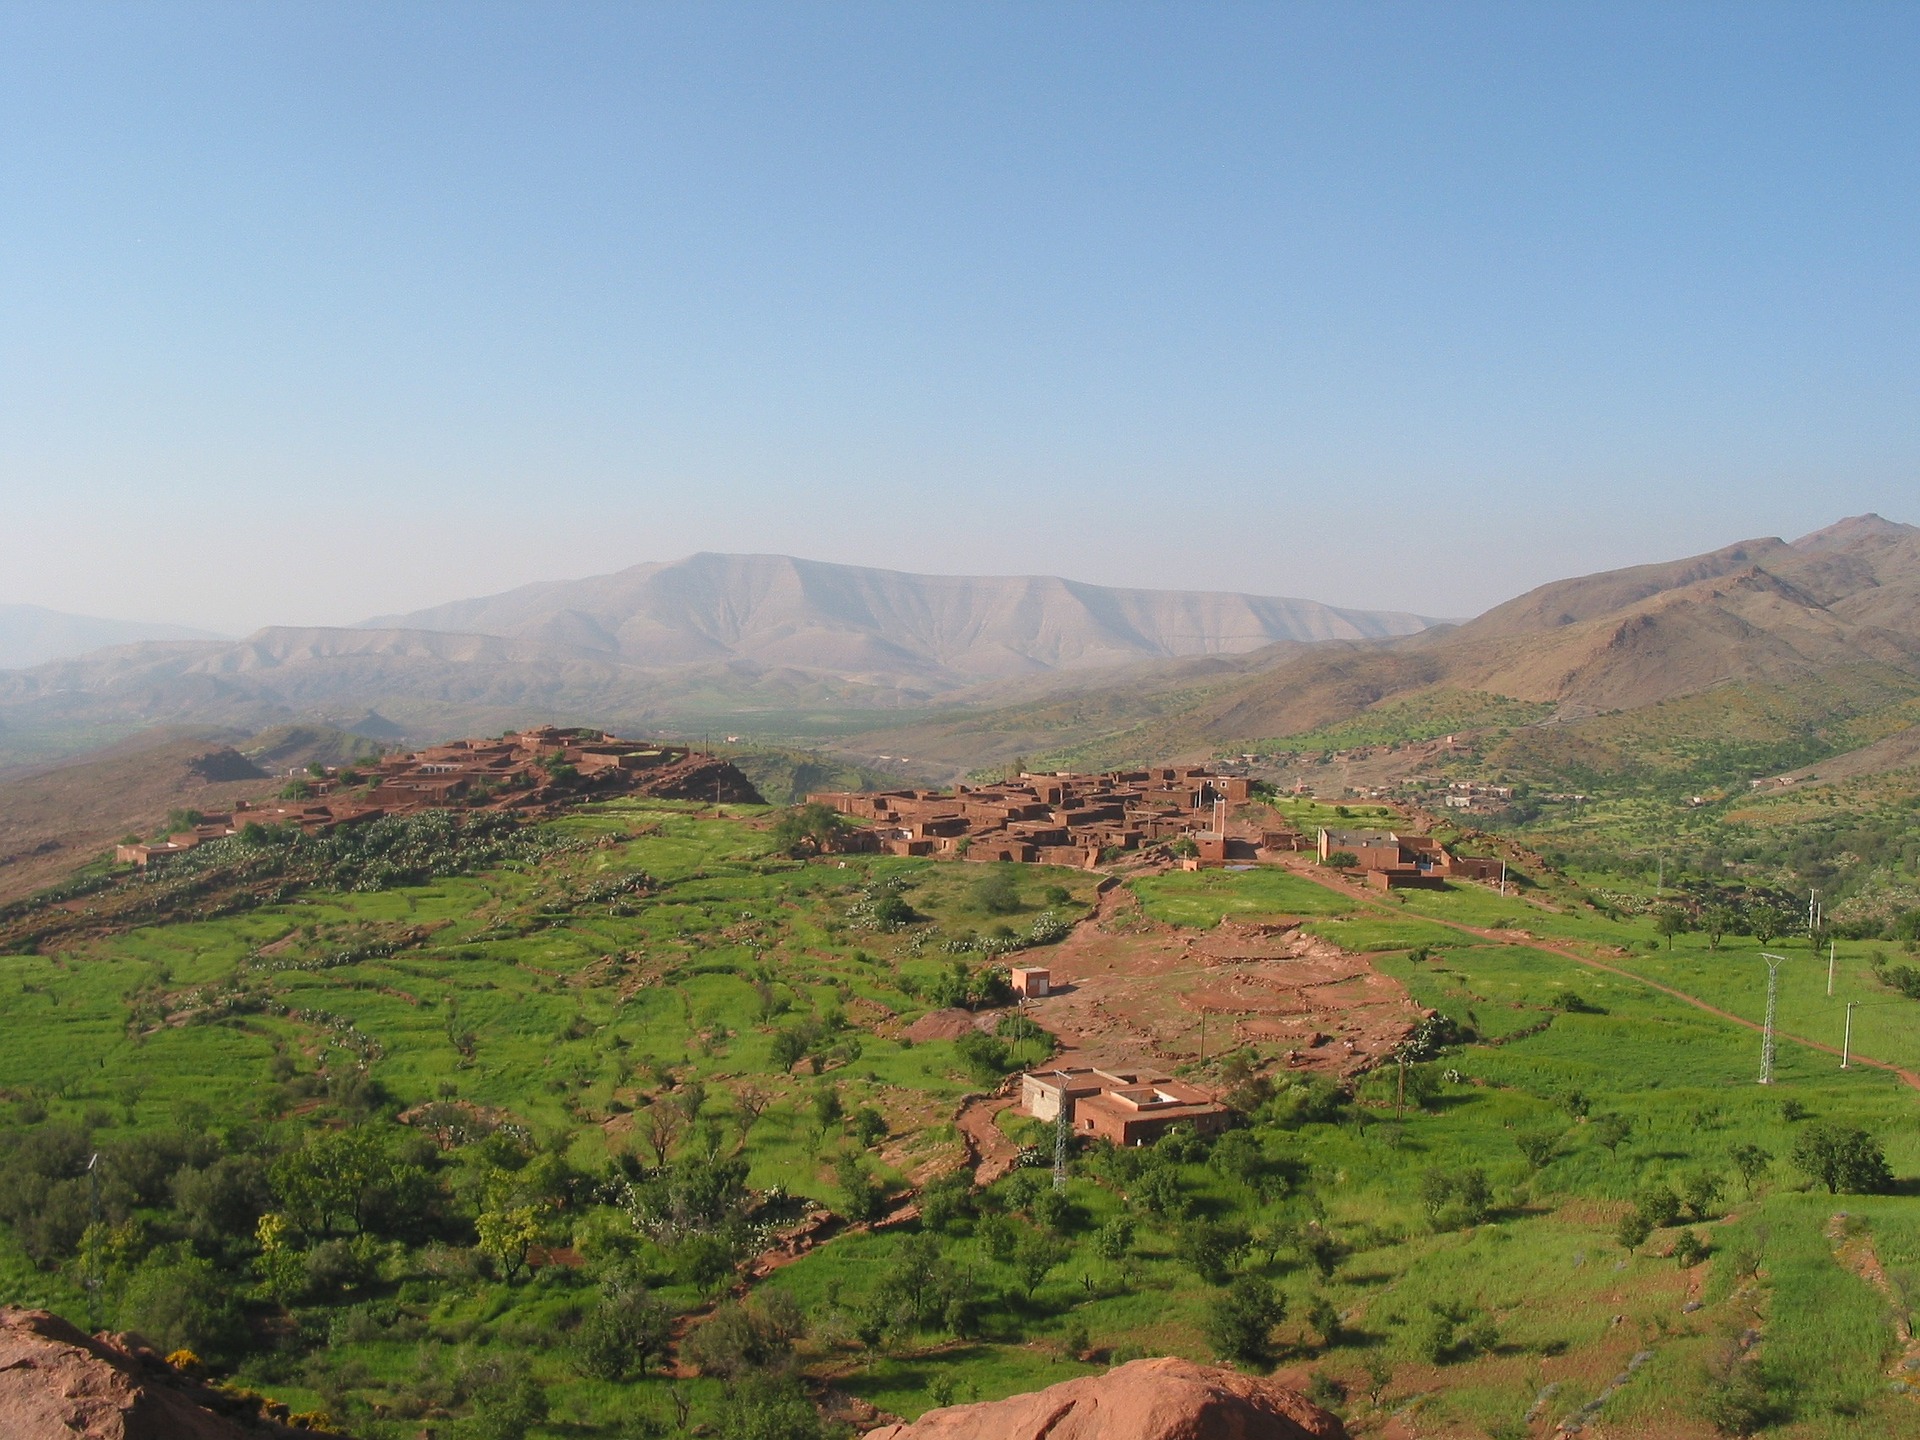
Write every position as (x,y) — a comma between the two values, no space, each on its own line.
(58,1384)
(1163,1399)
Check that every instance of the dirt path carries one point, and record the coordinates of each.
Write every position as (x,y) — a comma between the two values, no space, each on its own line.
(992,1153)
(1506,937)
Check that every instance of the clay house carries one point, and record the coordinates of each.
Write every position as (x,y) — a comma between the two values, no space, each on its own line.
(1030,982)
(1391,861)
(1120,1107)
(1059,819)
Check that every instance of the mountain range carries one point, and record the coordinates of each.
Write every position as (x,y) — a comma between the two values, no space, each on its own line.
(32,634)
(960,673)
(661,641)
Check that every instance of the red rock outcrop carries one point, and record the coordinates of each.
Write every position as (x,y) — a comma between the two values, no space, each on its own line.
(58,1384)
(1145,1400)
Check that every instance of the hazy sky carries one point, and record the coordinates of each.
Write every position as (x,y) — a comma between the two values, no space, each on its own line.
(312,311)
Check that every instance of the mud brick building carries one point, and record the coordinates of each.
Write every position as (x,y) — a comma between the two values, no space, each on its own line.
(1119,1106)
(1059,819)
(1393,861)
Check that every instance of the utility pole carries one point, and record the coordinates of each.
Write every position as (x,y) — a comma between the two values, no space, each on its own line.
(1766,1035)
(1831,946)
(1846,1045)
(1060,1143)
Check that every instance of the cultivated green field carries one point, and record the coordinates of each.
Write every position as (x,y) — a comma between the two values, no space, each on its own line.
(516,1134)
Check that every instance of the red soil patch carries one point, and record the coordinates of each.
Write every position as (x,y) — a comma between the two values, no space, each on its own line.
(1131,991)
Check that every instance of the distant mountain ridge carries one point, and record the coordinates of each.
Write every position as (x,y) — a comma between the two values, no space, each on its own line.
(655,642)
(861,623)
(1764,612)
(32,634)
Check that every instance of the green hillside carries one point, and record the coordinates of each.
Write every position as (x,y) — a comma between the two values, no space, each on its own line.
(474,1144)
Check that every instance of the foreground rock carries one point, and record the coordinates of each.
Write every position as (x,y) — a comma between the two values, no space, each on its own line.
(1145,1400)
(58,1384)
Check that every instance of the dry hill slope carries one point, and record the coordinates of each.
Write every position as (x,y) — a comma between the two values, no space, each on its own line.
(1761,612)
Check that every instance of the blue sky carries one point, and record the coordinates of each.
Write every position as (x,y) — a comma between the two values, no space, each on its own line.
(310,312)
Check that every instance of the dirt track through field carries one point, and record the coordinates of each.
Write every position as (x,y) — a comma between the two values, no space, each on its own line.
(1507,937)
(1132,992)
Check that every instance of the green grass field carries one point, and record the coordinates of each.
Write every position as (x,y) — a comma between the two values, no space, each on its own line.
(573,1011)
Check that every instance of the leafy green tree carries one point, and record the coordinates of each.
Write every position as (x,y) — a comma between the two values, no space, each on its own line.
(1633,1230)
(869,1126)
(1699,1190)
(1715,922)
(622,1333)
(1036,1255)
(1610,1130)
(508,1232)
(1766,922)
(1689,1249)
(1752,1162)
(1841,1158)
(743,1336)
(805,829)
(864,1198)
(1211,1247)
(1240,1319)
(1113,1241)
(995,892)
(180,1302)
(1669,921)
(1536,1147)
(759,1406)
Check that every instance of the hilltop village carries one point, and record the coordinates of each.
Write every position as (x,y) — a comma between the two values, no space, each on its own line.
(530,771)
(1061,819)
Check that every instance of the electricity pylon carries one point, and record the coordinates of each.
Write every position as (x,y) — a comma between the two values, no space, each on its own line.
(1766,1034)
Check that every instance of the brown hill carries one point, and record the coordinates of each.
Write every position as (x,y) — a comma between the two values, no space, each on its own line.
(1761,612)
(55,818)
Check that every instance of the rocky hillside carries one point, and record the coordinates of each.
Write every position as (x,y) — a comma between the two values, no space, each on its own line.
(59,1384)
(1143,1400)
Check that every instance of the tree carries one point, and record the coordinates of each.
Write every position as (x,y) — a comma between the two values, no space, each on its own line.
(1841,1159)
(1036,1255)
(865,1198)
(622,1333)
(1766,922)
(1715,922)
(750,1102)
(507,1232)
(768,1407)
(1700,1190)
(1240,1319)
(179,1301)
(995,893)
(1341,860)
(1536,1147)
(743,1336)
(1211,1247)
(1634,1230)
(1323,1318)
(869,1127)
(1610,1130)
(1113,1241)
(1669,921)
(1752,1162)
(805,829)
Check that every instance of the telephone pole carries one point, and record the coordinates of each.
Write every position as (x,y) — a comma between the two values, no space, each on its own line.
(1766,1035)
(1846,1044)
(1831,946)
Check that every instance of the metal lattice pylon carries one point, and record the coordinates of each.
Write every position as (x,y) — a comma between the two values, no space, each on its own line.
(1766,1034)
(1060,1126)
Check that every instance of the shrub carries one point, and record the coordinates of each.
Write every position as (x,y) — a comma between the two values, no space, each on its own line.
(1240,1319)
(1842,1159)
